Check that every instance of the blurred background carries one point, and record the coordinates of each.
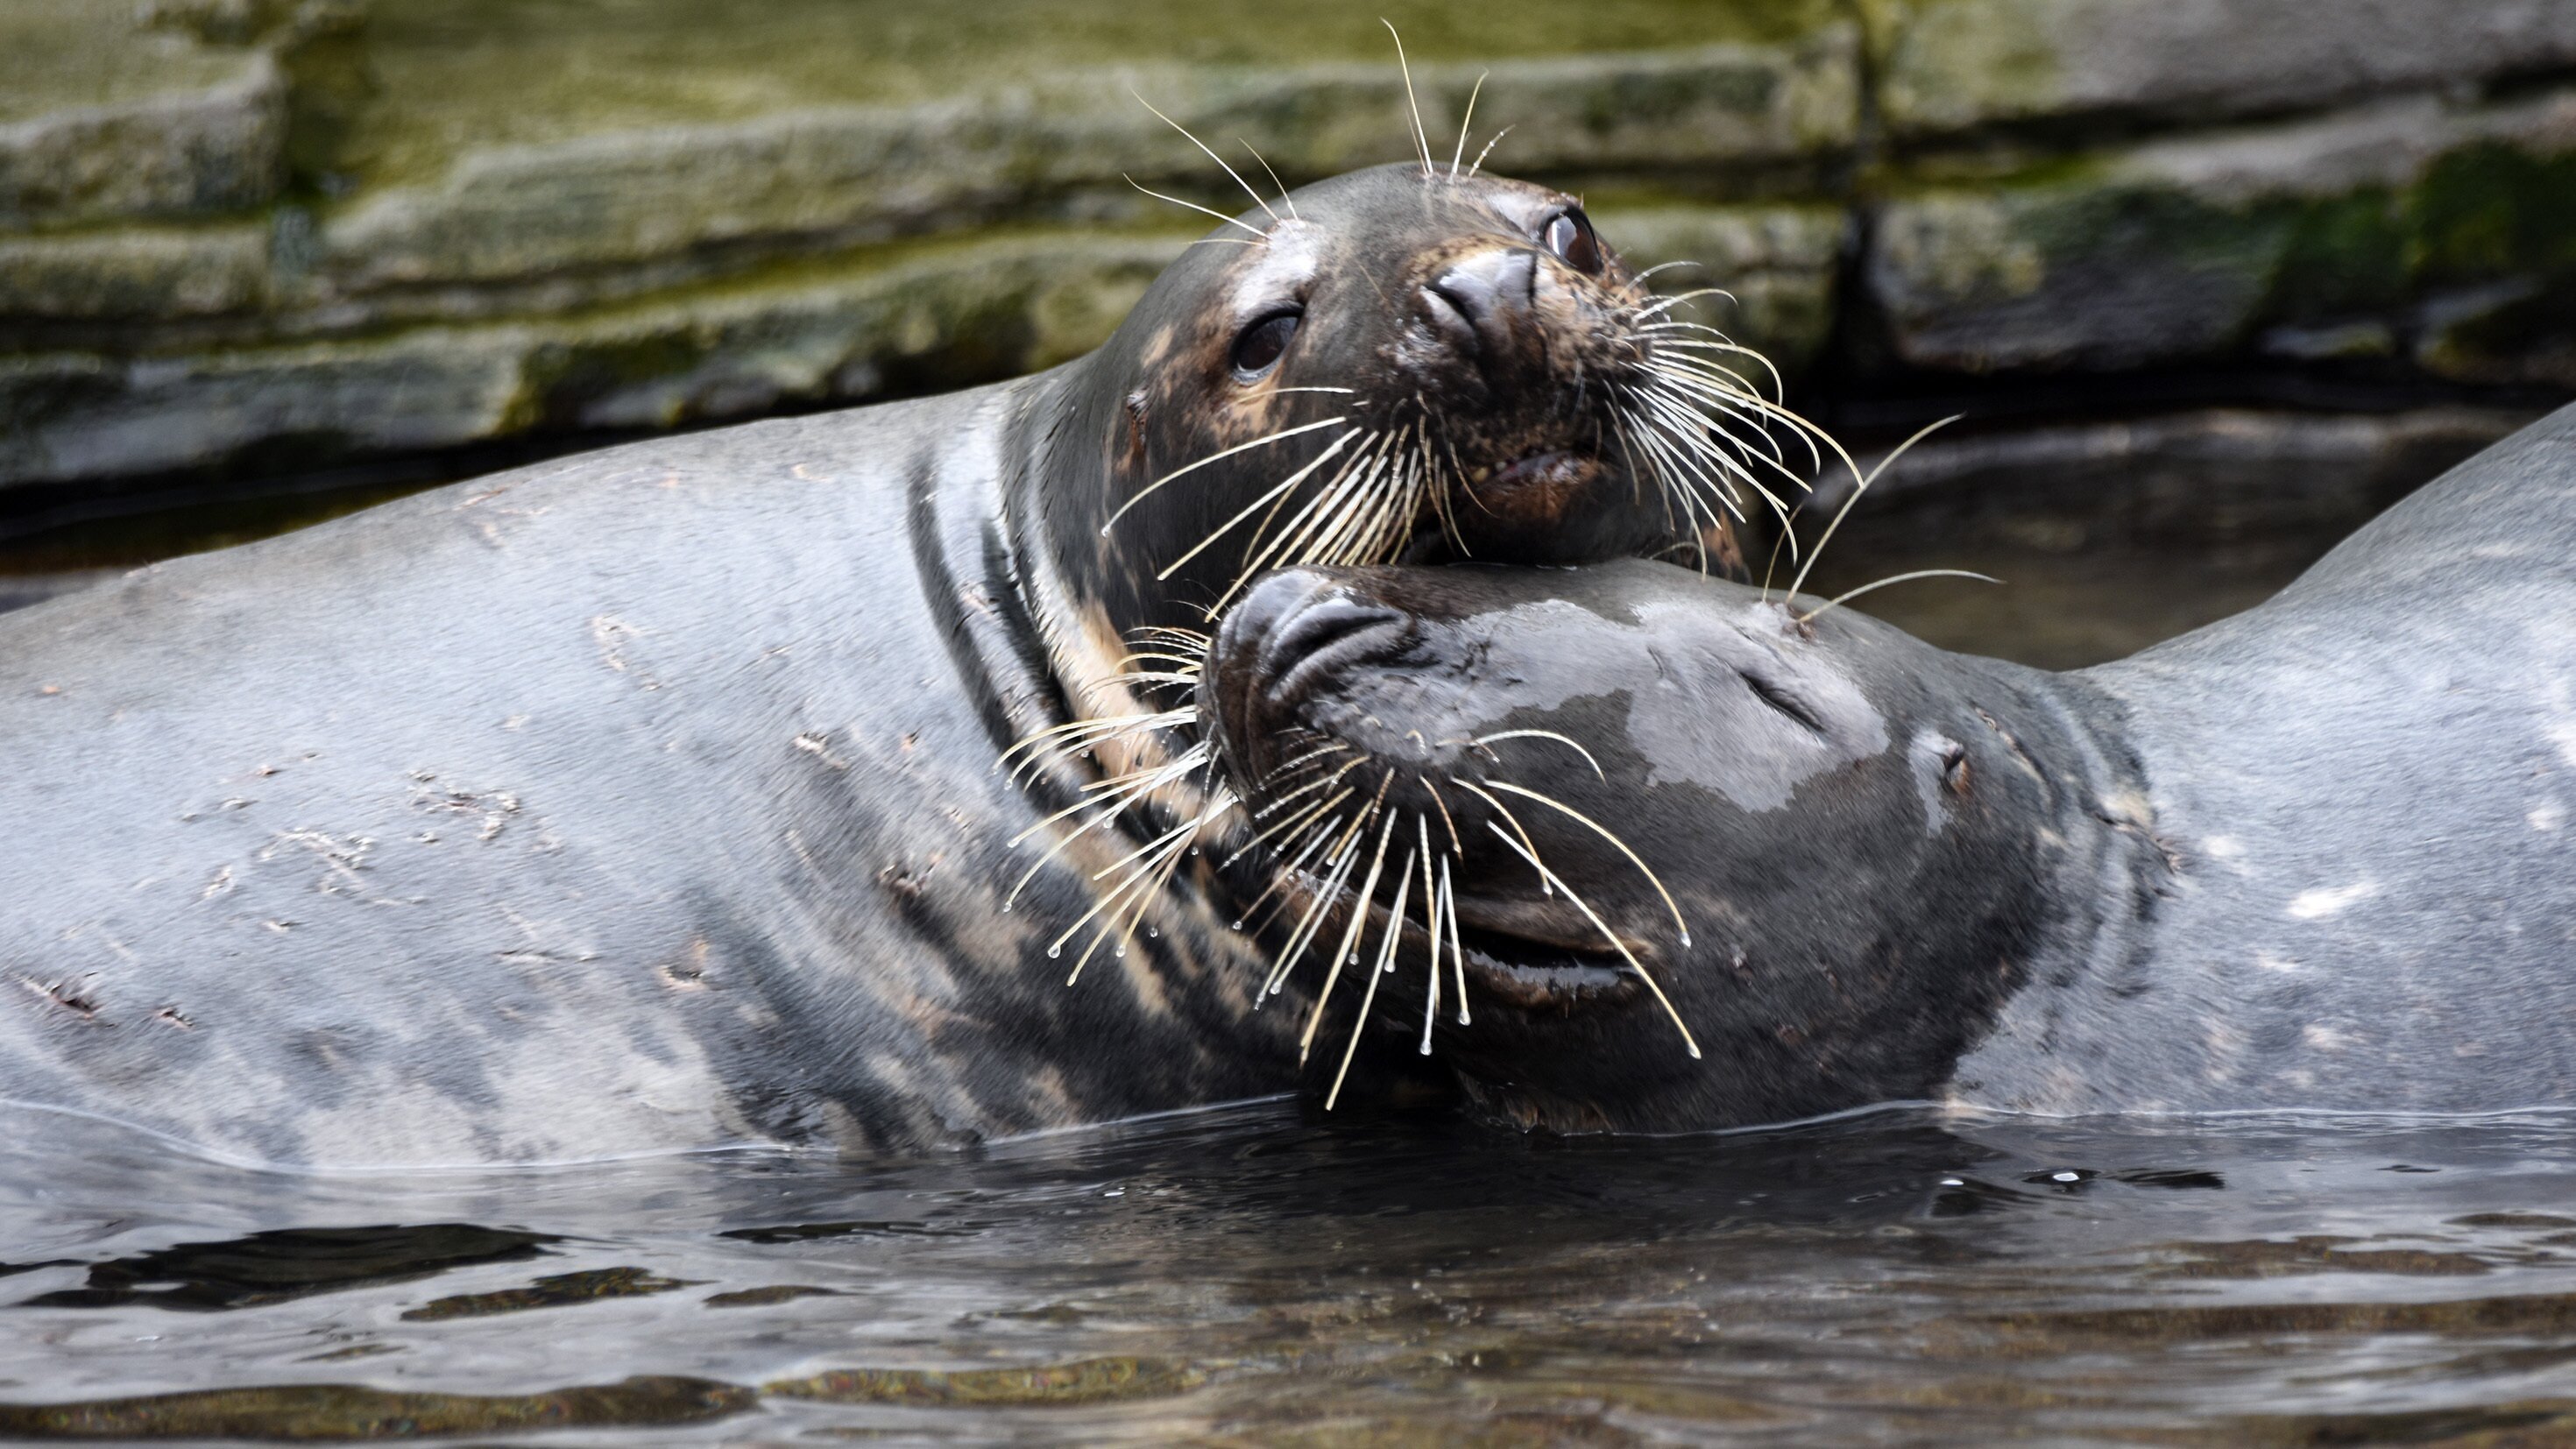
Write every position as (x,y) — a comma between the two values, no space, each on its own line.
(2211,280)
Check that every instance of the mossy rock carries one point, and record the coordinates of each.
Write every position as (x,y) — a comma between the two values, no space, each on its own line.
(1948,66)
(2277,240)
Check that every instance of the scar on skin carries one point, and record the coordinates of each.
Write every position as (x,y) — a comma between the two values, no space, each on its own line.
(65,995)
(689,973)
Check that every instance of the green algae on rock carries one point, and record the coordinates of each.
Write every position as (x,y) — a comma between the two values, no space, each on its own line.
(2189,248)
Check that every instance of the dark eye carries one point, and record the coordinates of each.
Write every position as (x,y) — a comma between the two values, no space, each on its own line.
(1570,237)
(1258,349)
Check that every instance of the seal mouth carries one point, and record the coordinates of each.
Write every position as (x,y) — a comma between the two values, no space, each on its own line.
(1525,956)
(1539,506)
(1547,483)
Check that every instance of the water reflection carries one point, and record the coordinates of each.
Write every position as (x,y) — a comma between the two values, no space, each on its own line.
(1251,1275)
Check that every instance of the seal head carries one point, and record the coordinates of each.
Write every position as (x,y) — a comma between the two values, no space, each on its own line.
(1845,818)
(1390,365)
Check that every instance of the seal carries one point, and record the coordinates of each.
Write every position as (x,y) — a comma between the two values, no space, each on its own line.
(1700,856)
(648,800)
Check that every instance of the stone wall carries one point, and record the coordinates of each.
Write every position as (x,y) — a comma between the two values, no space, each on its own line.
(239,235)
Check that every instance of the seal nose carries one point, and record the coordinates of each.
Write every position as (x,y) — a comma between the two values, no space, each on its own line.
(1293,627)
(1482,301)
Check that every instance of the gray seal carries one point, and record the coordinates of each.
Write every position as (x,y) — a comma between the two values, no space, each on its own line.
(2320,855)
(650,800)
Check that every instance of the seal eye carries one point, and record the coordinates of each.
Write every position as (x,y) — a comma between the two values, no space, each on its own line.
(1259,348)
(1570,238)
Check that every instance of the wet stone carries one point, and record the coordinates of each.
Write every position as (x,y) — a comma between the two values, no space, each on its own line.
(555,1291)
(106,117)
(764,1297)
(352,1412)
(2261,1258)
(2282,237)
(1087,1381)
(288,1263)
(1950,65)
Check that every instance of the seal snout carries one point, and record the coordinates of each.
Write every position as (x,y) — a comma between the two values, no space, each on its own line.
(1484,303)
(1300,624)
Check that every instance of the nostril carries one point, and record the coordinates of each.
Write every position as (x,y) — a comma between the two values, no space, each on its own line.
(1272,600)
(1488,292)
(1320,629)
(1453,311)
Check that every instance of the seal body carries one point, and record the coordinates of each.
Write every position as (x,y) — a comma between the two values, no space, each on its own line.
(656,799)
(2313,856)
(2361,891)
(648,802)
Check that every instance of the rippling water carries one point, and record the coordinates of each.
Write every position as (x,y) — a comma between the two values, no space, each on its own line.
(1249,1275)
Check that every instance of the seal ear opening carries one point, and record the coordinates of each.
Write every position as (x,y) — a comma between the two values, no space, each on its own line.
(1135,408)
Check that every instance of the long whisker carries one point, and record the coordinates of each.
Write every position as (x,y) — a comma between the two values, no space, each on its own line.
(1421,139)
(1221,530)
(1612,937)
(1456,846)
(1817,550)
(1464,122)
(1543,735)
(1385,964)
(1187,468)
(1604,832)
(1430,926)
(1506,812)
(1285,199)
(1260,237)
(1211,155)
(1457,953)
(1809,617)
(1348,951)
(1341,857)
(1489,148)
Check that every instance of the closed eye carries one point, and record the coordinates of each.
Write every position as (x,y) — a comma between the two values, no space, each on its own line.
(1782,701)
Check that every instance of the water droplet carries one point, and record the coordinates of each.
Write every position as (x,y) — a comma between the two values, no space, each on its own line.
(1237,926)
(1194,850)
(1154,931)
(1122,953)
(1054,951)
(1685,940)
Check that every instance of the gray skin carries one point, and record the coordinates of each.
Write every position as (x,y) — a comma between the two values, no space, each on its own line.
(2315,856)
(648,800)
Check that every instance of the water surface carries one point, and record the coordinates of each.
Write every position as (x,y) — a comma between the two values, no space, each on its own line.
(1252,1275)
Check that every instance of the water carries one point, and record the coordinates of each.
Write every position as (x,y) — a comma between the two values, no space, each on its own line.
(1250,1275)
